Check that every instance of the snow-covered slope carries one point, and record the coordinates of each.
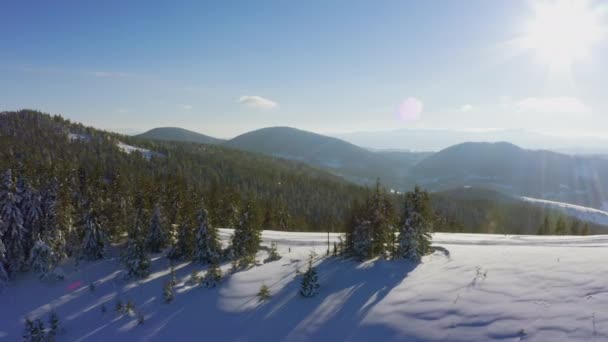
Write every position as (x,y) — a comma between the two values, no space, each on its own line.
(582,213)
(473,288)
(130,149)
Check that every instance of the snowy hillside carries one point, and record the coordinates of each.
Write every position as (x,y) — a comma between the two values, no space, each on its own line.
(582,213)
(147,154)
(473,288)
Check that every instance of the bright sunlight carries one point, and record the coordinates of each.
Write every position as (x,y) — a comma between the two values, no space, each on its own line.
(563,31)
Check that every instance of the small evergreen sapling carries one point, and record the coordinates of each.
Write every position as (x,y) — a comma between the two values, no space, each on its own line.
(310,283)
(213,276)
(273,254)
(34,331)
(264,293)
(53,326)
(42,259)
(168,292)
(195,278)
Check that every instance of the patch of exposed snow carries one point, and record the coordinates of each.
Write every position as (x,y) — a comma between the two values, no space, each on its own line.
(582,213)
(147,154)
(78,137)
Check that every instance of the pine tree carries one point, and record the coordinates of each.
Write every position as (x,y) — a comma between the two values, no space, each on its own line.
(183,249)
(585,230)
(408,239)
(560,226)
(168,292)
(157,238)
(273,254)
(264,293)
(138,263)
(207,248)
(34,331)
(53,326)
(93,244)
(310,283)
(42,259)
(545,227)
(12,229)
(247,237)
(3,273)
(414,239)
(362,240)
(213,276)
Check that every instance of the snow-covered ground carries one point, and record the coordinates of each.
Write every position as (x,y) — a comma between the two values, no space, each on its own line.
(582,213)
(130,149)
(473,288)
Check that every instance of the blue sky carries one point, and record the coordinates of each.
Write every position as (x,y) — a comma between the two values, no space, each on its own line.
(226,67)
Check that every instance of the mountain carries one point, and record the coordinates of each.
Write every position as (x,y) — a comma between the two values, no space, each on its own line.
(103,167)
(178,134)
(511,169)
(435,140)
(340,157)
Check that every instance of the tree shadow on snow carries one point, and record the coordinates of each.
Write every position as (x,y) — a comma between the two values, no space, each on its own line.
(349,291)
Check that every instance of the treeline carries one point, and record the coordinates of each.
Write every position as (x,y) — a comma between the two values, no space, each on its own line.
(42,149)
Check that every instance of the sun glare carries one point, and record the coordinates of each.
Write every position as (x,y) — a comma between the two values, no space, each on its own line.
(563,31)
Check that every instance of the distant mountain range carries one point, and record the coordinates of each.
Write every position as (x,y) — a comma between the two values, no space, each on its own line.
(438,139)
(502,166)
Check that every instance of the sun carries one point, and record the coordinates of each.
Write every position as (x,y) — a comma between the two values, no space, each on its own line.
(563,31)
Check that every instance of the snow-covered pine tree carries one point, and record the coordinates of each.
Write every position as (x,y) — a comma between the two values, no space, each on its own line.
(362,240)
(183,248)
(207,248)
(42,259)
(3,273)
(54,233)
(12,229)
(273,254)
(138,263)
(213,276)
(310,281)
(408,239)
(415,235)
(157,239)
(34,331)
(93,244)
(247,237)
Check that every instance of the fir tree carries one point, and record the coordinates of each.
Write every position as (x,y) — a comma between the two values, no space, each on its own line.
(3,273)
(183,248)
(42,259)
(264,293)
(213,276)
(408,239)
(12,229)
(53,326)
(560,226)
(414,239)
(138,263)
(34,331)
(585,230)
(273,254)
(207,247)
(545,227)
(93,244)
(362,240)
(310,283)
(156,235)
(247,237)
(168,292)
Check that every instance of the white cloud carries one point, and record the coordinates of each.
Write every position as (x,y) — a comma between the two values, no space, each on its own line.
(185,106)
(257,102)
(466,108)
(122,110)
(561,105)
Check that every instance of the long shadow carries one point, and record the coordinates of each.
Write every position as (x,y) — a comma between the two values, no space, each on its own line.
(349,290)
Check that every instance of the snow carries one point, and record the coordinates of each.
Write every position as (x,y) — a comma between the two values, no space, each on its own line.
(147,154)
(78,137)
(472,288)
(582,213)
